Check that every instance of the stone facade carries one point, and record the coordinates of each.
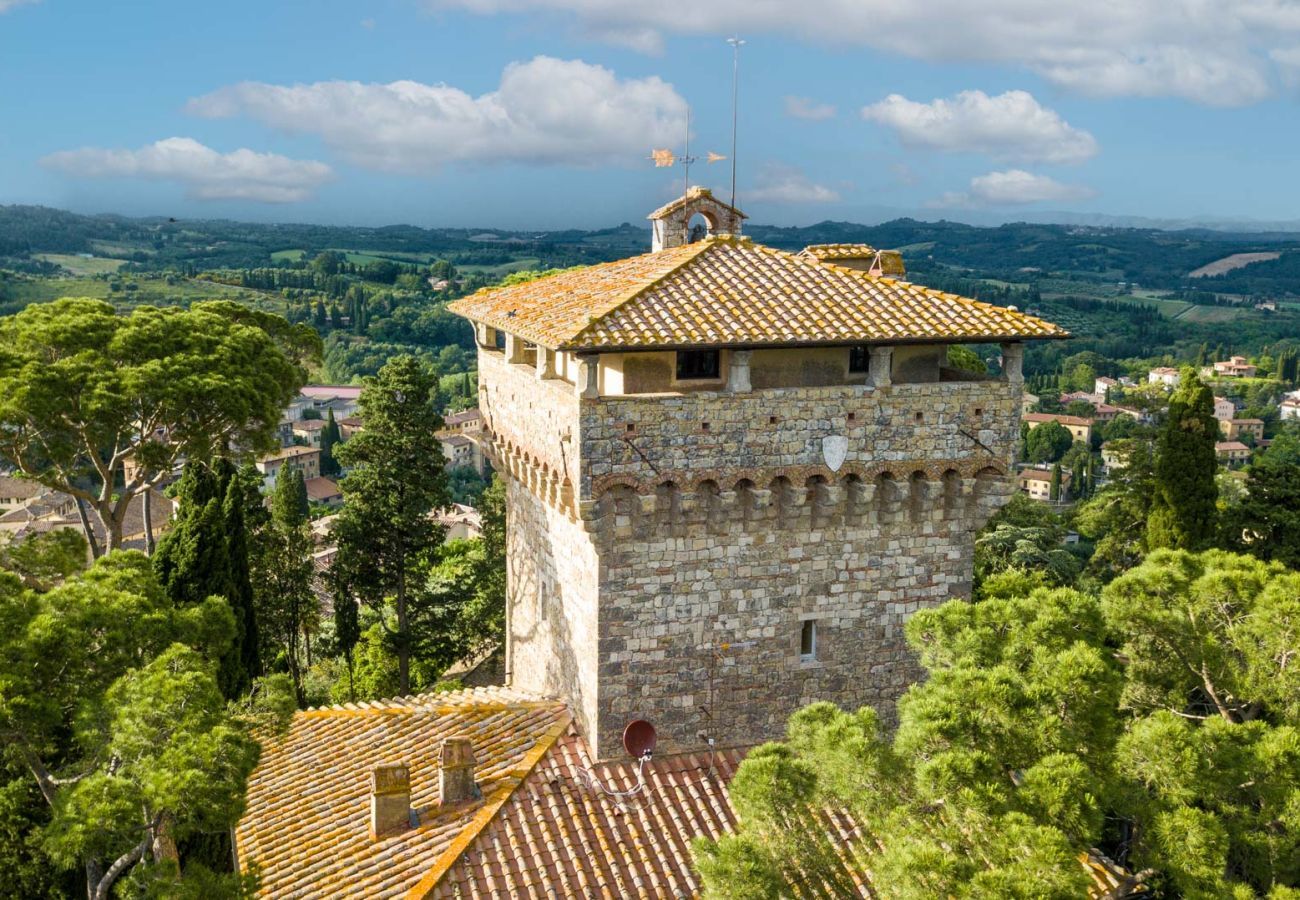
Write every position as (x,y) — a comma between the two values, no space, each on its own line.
(666,549)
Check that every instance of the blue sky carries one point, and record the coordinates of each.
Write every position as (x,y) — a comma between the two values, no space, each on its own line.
(540,113)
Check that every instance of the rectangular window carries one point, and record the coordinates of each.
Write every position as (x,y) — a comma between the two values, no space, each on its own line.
(808,640)
(859,359)
(697,365)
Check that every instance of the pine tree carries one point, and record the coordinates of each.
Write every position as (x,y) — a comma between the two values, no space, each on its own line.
(1183,504)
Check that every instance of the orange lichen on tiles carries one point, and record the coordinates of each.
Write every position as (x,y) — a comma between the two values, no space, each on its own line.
(306,827)
(728,291)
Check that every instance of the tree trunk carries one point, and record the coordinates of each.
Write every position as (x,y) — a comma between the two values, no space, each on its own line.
(91,540)
(148,521)
(403,634)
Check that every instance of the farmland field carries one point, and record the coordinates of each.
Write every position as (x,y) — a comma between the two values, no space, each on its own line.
(81,265)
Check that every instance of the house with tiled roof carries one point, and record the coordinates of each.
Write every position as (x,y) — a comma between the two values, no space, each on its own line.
(732,474)
(1079,427)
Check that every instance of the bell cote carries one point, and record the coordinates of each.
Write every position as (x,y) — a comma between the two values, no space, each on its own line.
(672,223)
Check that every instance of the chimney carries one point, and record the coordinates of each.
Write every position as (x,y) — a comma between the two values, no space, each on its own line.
(456,773)
(390,799)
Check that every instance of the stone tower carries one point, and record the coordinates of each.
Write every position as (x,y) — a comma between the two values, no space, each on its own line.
(733,473)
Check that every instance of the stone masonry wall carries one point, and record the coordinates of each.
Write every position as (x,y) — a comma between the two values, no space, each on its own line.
(664,550)
(720,528)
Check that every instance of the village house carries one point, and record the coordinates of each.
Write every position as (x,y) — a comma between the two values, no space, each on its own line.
(1080,428)
(16,492)
(349,426)
(304,459)
(719,510)
(467,421)
(1289,409)
(1037,483)
(1232,454)
(50,510)
(1224,409)
(1164,375)
(309,431)
(1235,429)
(1114,455)
(1104,384)
(460,451)
(344,399)
(1027,402)
(1236,367)
(324,491)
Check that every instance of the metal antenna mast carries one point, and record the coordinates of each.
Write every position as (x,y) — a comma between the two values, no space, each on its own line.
(736,43)
(687,159)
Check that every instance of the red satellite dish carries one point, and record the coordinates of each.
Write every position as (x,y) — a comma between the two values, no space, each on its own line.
(639,738)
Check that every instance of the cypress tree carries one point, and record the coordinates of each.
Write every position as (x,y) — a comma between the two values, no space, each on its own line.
(319,319)
(289,505)
(329,437)
(205,554)
(1056,483)
(244,517)
(1183,503)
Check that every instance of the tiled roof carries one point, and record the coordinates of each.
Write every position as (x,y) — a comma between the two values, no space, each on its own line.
(321,488)
(1055,417)
(559,837)
(465,415)
(830,252)
(20,488)
(307,822)
(548,826)
(729,291)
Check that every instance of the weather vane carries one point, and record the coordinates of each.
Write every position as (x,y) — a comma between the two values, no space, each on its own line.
(664,158)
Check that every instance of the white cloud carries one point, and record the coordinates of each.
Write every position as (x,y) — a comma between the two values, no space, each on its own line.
(208,175)
(1010,126)
(6,5)
(784,184)
(1013,187)
(804,108)
(1211,52)
(545,111)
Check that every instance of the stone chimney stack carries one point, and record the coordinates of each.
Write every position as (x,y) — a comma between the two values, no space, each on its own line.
(390,799)
(456,772)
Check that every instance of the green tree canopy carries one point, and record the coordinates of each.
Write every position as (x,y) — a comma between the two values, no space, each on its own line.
(126,735)
(87,393)
(1032,740)
(1048,442)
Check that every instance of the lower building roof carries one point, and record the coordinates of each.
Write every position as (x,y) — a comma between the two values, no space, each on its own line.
(551,822)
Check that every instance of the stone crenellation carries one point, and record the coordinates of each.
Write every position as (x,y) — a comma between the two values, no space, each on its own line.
(667,550)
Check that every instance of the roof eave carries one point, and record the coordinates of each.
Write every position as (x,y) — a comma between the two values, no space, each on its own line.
(769,345)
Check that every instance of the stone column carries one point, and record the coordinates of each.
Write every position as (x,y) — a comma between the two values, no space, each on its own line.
(545,362)
(587,382)
(485,335)
(878,369)
(514,349)
(1013,361)
(738,372)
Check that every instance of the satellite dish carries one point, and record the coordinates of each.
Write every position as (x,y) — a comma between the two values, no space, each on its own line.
(639,738)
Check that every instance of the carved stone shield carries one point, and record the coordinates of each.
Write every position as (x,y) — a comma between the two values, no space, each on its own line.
(835,448)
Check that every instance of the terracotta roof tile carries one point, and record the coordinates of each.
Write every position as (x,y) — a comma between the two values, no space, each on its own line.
(307,822)
(549,825)
(729,291)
